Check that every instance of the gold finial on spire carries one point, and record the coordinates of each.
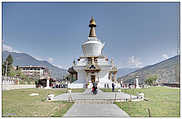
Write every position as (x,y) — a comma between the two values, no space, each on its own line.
(92,22)
(92,26)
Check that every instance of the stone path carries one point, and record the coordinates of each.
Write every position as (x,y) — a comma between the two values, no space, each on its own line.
(95,110)
(89,105)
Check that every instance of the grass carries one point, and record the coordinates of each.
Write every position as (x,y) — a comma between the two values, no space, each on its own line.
(18,103)
(163,102)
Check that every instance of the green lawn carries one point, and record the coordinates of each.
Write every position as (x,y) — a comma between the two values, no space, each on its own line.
(18,103)
(164,102)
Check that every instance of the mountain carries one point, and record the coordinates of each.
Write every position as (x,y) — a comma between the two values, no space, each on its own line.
(125,71)
(167,71)
(23,59)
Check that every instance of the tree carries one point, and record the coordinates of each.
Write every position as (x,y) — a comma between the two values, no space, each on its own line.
(3,68)
(9,59)
(8,65)
(6,68)
(151,80)
(12,73)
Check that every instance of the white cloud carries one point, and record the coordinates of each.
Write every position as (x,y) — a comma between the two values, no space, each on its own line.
(134,62)
(50,60)
(38,58)
(165,56)
(9,48)
(59,66)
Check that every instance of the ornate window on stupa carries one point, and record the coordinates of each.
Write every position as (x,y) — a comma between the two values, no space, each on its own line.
(89,61)
(92,67)
(95,60)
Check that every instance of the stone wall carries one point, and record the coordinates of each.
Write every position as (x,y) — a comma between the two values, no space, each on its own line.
(10,87)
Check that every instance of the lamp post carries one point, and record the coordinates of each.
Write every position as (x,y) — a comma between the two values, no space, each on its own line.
(48,79)
(136,82)
(121,83)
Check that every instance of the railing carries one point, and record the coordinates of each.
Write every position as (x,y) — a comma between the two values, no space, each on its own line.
(9,80)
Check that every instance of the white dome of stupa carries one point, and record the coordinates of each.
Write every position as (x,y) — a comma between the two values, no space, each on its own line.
(92,47)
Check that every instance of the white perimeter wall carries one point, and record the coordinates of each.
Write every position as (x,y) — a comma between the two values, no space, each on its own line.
(10,87)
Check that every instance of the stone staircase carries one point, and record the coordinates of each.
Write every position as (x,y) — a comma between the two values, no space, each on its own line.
(89,91)
(94,101)
(87,97)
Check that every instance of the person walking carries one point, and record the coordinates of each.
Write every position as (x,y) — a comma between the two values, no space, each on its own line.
(113,87)
(95,88)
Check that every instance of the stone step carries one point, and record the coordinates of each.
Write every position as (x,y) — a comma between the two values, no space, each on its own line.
(89,91)
(94,101)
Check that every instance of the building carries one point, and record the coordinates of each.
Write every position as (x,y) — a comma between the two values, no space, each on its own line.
(93,66)
(39,72)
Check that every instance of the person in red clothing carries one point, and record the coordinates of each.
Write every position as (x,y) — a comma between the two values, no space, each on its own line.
(94,88)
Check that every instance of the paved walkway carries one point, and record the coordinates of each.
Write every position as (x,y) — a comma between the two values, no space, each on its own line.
(89,105)
(95,110)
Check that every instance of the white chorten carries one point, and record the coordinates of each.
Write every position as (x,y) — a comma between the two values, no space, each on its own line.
(93,66)
(136,82)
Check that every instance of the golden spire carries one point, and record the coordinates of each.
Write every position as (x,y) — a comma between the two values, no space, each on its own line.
(92,26)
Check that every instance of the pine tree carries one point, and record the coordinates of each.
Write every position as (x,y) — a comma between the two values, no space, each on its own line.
(9,62)
(3,68)
(9,59)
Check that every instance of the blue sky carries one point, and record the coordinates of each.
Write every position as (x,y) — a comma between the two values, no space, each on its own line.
(135,34)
